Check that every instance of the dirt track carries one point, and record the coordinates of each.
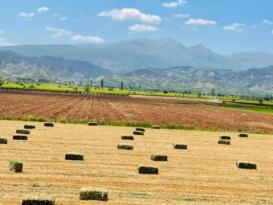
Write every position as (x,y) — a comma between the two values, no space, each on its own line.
(203,174)
(118,108)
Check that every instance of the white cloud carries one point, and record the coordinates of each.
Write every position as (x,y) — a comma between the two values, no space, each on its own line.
(63,18)
(174,4)
(128,14)
(40,10)
(4,41)
(181,15)
(43,9)
(1,32)
(26,15)
(200,22)
(268,22)
(235,27)
(58,32)
(63,33)
(88,39)
(142,28)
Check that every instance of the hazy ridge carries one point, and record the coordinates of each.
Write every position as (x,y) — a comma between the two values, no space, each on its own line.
(162,63)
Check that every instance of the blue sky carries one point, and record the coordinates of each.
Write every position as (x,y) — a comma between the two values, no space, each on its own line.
(225,26)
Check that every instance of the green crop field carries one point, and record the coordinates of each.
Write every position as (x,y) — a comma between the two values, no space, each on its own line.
(95,90)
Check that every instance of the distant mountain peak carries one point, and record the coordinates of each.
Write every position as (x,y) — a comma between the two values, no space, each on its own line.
(129,55)
(152,41)
(200,46)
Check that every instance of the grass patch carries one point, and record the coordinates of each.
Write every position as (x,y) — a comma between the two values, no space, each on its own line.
(54,87)
(258,109)
(236,106)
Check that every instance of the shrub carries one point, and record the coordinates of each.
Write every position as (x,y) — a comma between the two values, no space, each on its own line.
(88,193)
(16,166)
(62,120)
(147,170)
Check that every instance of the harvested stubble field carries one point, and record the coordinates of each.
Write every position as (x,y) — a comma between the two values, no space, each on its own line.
(204,174)
(80,107)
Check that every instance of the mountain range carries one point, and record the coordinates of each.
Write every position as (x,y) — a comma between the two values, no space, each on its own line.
(131,55)
(251,80)
(55,69)
(164,64)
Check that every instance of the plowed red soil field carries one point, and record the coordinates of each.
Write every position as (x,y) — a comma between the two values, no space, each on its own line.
(130,109)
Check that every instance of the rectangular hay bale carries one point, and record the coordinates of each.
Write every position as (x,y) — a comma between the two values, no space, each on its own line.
(156,127)
(246,165)
(180,146)
(140,129)
(20,137)
(125,146)
(159,157)
(127,137)
(29,127)
(38,200)
(24,132)
(74,156)
(138,133)
(3,141)
(49,124)
(147,170)
(15,166)
(243,135)
(92,124)
(225,137)
(89,193)
(224,142)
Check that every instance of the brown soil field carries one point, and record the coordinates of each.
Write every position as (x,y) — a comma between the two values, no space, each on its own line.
(204,174)
(130,109)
